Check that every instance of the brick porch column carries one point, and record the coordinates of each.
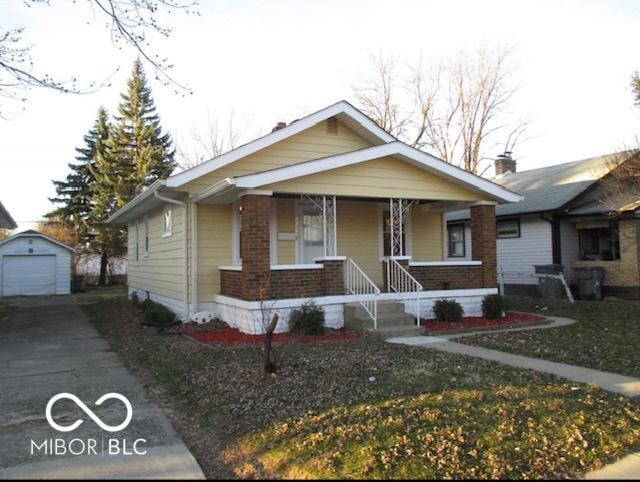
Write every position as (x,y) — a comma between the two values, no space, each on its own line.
(333,276)
(255,244)
(483,241)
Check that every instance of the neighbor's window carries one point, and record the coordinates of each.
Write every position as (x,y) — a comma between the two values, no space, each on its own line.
(509,228)
(146,235)
(456,241)
(599,244)
(166,222)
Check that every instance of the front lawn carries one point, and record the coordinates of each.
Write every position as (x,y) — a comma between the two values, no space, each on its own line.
(606,337)
(5,310)
(364,408)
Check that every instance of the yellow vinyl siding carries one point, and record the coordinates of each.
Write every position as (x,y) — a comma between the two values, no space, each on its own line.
(214,248)
(358,236)
(161,270)
(385,177)
(286,218)
(426,240)
(312,143)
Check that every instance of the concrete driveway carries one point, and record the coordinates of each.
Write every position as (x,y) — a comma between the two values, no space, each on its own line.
(48,347)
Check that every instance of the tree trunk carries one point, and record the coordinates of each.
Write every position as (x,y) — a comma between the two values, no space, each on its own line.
(269,366)
(104,260)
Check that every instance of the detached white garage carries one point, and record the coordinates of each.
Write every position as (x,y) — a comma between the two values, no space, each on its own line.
(34,264)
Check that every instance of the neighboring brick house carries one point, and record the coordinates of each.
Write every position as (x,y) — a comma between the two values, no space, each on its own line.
(577,214)
(330,207)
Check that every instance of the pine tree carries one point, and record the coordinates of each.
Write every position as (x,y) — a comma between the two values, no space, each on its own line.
(138,143)
(74,193)
(108,177)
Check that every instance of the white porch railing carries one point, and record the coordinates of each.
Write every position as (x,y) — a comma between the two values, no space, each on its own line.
(401,281)
(356,282)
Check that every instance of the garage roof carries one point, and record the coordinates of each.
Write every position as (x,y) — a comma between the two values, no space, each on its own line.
(30,233)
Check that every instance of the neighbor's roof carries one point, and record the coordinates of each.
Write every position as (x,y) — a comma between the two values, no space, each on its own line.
(550,188)
(30,233)
(6,221)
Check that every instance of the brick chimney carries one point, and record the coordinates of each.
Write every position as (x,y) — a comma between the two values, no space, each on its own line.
(279,125)
(505,163)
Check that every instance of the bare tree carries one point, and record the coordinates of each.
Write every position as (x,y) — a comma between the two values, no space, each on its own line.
(210,140)
(457,107)
(379,95)
(129,21)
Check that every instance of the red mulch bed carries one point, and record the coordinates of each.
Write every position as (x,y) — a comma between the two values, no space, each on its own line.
(235,337)
(479,323)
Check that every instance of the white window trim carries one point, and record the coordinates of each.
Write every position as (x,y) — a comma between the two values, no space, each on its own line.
(165,233)
(273,231)
(146,238)
(408,232)
(235,235)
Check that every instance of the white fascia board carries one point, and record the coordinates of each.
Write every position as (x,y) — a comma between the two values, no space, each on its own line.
(414,156)
(144,195)
(218,188)
(295,127)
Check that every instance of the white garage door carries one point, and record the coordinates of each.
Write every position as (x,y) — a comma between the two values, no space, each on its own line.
(29,275)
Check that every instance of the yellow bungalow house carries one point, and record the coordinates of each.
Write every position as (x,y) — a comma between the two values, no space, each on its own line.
(330,207)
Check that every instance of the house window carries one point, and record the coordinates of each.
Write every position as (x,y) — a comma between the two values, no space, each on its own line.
(456,241)
(509,228)
(166,223)
(146,235)
(599,244)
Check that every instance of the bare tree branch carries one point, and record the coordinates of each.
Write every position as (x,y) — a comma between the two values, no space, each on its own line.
(129,21)
(457,107)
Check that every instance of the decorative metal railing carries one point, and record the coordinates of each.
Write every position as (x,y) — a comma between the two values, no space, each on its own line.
(401,281)
(357,283)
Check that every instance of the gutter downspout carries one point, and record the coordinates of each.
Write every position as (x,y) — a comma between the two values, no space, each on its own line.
(186,251)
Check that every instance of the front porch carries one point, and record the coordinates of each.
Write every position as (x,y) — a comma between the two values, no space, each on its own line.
(337,250)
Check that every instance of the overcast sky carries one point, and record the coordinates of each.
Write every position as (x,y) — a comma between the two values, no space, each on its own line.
(278,60)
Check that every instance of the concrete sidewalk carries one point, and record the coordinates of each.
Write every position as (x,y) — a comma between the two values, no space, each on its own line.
(48,347)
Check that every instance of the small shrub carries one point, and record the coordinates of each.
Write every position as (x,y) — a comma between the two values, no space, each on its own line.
(494,307)
(157,314)
(135,300)
(309,320)
(448,311)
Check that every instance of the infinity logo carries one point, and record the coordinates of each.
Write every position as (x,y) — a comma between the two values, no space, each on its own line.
(89,412)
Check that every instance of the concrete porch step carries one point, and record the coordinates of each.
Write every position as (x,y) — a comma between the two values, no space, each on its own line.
(398,331)
(384,321)
(356,310)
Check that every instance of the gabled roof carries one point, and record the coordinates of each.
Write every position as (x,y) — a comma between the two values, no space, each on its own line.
(397,149)
(550,188)
(6,221)
(30,233)
(343,110)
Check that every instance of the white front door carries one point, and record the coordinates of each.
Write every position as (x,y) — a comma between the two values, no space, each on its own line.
(311,233)
(28,275)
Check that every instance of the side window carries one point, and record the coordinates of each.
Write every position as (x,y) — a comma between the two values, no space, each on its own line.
(456,241)
(509,228)
(166,223)
(146,235)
